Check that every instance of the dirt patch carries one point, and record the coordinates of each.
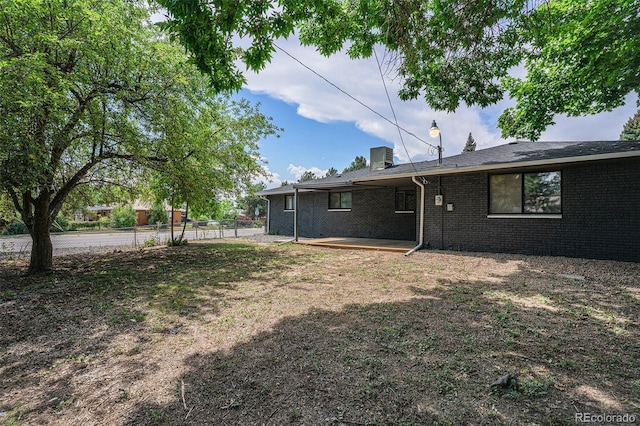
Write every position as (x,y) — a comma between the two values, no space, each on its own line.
(250,333)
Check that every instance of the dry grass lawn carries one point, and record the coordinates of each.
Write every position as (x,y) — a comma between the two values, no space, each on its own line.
(248,334)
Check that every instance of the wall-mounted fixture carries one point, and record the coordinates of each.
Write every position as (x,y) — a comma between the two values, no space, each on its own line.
(449,207)
(439,200)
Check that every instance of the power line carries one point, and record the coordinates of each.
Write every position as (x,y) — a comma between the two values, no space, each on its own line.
(357,100)
(393,111)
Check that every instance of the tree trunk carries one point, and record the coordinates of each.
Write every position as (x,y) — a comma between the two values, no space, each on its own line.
(184,226)
(42,248)
(172,218)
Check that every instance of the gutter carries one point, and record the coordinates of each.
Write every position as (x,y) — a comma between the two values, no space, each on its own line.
(267,224)
(421,219)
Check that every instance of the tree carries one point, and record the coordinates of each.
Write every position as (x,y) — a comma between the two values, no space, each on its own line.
(158,213)
(307,176)
(358,163)
(583,59)
(7,211)
(581,56)
(251,203)
(123,217)
(331,172)
(631,130)
(79,79)
(87,87)
(470,145)
(214,153)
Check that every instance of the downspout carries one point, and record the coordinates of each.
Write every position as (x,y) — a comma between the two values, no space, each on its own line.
(421,218)
(295,215)
(441,214)
(267,223)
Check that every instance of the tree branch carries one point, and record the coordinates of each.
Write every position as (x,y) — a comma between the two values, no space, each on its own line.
(56,202)
(150,158)
(15,200)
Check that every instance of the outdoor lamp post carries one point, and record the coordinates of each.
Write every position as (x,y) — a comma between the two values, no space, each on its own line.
(433,132)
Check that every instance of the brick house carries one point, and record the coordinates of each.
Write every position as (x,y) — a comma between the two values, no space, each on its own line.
(142,209)
(576,199)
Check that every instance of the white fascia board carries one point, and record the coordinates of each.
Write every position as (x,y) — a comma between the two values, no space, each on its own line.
(286,191)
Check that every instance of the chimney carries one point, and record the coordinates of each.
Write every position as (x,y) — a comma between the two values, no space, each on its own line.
(380,158)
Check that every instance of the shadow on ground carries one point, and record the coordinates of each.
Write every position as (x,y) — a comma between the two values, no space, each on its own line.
(79,346)
(427,360)
(56,329)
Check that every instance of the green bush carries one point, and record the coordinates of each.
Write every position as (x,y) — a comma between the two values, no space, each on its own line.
(15,228)
(123,217)
(158,214)
(85,226)
(61,224)
(177,242)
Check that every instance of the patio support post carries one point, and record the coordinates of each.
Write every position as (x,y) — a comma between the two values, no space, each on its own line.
(295,215)
(268,218)
(421,217)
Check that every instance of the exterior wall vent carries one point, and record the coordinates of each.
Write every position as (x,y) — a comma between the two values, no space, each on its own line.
(380,158)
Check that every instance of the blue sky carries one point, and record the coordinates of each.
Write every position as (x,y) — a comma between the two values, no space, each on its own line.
(325,128)
(309,144)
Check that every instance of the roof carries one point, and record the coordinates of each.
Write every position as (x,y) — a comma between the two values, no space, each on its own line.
(520,154)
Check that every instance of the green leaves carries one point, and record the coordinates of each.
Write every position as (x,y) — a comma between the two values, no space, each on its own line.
(358,163)
(212,151)
(94,95)
(581,57)
(208,29)
(585,60)
(631,130)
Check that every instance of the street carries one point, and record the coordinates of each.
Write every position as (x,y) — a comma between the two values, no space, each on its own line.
(80,241)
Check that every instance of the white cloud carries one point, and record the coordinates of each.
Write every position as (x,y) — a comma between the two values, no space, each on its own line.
(289,81)
(298,171)
(603,126)
(270,178)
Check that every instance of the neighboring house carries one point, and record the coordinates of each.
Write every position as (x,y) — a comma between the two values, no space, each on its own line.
(577,199)
(143,211)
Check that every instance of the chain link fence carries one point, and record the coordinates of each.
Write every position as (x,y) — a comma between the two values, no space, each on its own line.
(100,239)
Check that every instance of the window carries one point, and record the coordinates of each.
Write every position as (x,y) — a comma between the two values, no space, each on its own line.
(525,193)
(405,201)
(289,202)
(339,200)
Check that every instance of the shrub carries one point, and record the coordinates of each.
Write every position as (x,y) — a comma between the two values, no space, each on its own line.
(61,224)
(15,228)
(123,217)
(177,242)
(83,226)
(158,214)
(150,242)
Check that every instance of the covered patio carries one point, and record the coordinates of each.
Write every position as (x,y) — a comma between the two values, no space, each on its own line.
(400,246)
